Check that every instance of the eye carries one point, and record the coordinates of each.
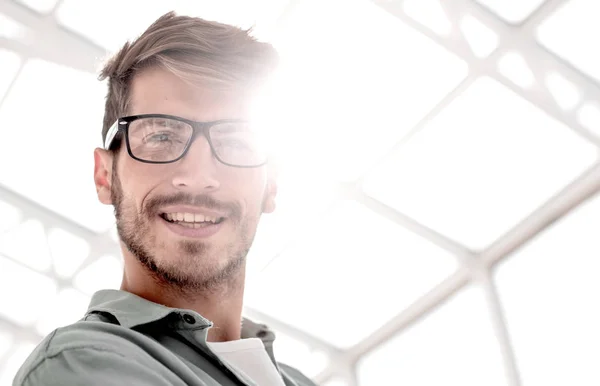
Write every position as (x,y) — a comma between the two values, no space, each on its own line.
(160,137)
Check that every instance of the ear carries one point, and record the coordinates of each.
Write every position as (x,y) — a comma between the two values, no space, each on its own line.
(103,175)
(271,188)
(270,194)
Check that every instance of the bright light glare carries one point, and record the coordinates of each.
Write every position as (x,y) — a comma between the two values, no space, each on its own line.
(350,92)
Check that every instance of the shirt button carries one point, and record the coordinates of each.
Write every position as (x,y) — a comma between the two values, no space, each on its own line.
(261,334)
(189,319)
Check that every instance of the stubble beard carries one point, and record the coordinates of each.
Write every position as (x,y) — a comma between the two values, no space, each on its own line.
(193,271)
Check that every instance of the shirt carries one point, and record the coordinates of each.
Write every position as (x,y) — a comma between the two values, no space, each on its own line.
(250,357)
(124,339)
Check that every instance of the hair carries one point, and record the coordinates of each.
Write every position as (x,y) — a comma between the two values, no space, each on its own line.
(206,53)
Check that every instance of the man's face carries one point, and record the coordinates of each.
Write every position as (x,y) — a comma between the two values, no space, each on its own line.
(150,198)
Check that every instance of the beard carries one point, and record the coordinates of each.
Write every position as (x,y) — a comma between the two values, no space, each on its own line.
(189,266)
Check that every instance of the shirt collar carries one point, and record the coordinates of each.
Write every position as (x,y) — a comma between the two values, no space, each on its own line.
(131,310)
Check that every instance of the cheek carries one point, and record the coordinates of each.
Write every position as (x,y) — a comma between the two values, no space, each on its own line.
(247,189)
(138,180)
(251,187)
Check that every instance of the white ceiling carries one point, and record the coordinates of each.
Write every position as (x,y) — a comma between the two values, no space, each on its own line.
(436,160)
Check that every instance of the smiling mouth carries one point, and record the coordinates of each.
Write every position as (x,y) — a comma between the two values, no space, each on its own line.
(191,220)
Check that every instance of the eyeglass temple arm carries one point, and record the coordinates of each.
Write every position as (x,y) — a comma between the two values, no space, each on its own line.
(110,135)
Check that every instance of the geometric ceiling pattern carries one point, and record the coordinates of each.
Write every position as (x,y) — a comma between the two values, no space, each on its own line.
(437,210)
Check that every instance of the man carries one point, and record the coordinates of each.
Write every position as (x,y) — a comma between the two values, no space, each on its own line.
(188,178)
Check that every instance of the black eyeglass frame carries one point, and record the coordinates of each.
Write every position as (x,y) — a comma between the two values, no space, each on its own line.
(121,125)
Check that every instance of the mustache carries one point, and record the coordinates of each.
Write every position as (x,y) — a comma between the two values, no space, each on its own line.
(231,209)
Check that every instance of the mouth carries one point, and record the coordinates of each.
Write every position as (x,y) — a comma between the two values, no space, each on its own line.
(191,220)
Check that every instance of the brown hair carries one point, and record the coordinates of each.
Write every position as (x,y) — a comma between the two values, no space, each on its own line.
(203,52)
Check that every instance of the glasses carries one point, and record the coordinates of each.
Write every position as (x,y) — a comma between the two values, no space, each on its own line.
(160,139)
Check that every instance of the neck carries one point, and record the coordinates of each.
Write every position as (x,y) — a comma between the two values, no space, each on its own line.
(221,304)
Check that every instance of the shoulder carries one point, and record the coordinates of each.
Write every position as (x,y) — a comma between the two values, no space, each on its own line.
(296,375)
(95,335)
(83,352)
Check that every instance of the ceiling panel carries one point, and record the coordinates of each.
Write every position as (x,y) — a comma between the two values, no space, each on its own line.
(10,216)
(66,308)
(6,340)
(38,136)
(27,244)
(9,368)
(27,292)
(566,94)
(11,29)
(481,165)
(301,201)
(351,259)
(429,13)
(549,292)
(589,117)
(336,382)
(454,345)
(41,6)
(67,250)
(482,39)
(512,11)
(514,66)
(10,66)
(104,273)
(571,31)
(299,354)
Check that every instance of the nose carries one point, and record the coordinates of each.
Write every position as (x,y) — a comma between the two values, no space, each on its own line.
(197,171)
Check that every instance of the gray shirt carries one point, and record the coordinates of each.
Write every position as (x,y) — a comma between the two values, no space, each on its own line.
(124,339)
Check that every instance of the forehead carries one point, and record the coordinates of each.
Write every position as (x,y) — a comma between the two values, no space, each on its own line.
(158,91)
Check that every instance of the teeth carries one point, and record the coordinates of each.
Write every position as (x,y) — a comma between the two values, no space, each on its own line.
(190,218)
